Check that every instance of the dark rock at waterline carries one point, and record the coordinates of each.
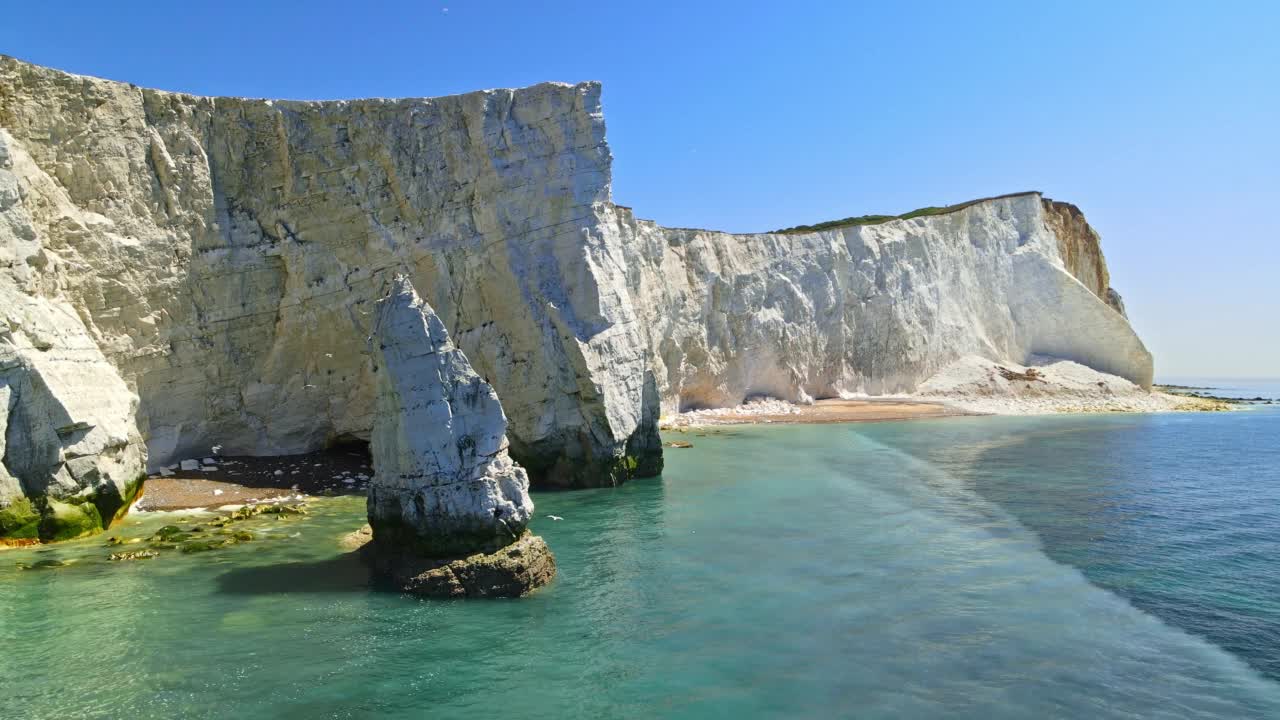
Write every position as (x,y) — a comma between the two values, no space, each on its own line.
(510,571)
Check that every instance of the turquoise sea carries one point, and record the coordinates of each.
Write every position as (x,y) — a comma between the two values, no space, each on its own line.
(1067,566)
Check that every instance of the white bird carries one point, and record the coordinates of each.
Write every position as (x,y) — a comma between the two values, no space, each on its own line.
(216,449)
(555,517)
(328,354)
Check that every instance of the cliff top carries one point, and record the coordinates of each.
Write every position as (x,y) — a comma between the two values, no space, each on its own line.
(29,67)
(878,219)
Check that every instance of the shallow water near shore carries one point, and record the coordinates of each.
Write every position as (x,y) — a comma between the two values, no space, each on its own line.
(1079,566)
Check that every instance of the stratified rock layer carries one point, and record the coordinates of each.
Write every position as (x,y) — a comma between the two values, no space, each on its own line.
(443,482)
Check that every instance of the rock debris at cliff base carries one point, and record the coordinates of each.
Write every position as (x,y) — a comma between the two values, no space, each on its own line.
(1046,386)
(335,471)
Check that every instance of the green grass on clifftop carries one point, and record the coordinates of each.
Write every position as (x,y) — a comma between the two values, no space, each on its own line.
(878,219)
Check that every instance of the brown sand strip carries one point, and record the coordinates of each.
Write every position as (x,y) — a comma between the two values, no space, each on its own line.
(246,479)
(841,411)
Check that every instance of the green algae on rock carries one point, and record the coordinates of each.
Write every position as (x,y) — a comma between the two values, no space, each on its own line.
(513,570)
(215,533)
(45,519)
(205,545)
(68,520)
(19,522)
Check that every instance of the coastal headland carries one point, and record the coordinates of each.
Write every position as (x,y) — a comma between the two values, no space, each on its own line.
(188,277)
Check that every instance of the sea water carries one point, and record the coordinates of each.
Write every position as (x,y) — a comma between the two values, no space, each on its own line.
(1067,566)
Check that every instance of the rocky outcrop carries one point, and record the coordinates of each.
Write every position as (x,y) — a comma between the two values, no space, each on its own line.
(511,571)
(443,482)
(447,506)
(71,456)
(224,256)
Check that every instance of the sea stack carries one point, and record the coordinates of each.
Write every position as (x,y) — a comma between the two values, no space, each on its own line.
(448,506)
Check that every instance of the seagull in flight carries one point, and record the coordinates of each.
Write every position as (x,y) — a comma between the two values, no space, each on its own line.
(555,517)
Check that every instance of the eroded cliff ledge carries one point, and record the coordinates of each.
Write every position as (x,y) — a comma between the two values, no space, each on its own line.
(223,256)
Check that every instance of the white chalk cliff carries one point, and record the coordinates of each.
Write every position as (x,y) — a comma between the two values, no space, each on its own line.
(870,308)
(223,256)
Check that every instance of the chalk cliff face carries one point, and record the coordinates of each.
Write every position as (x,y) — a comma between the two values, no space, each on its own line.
(870,308)
(223,257)
(72,454)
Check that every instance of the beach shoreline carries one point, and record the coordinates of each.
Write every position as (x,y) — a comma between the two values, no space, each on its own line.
(898,408)
(247,480)
(241,480)
(826,411)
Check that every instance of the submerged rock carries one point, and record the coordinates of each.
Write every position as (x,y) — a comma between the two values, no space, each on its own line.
(44,564)
(205,545)
(356,540)
(215,534)
(134,555)
(444,486)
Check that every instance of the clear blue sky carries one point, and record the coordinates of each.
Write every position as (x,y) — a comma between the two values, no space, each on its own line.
(1161,120)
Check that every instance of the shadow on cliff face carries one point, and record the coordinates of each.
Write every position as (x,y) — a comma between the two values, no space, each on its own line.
(344,573)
